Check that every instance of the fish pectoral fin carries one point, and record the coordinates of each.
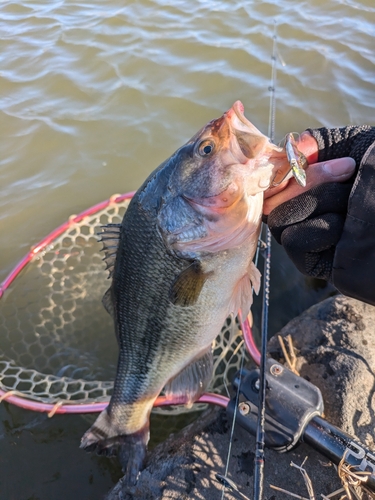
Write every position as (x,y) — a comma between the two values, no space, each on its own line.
(188,385)
(242,296)
(110,237)
(188,285)
(103,438)
(255,277)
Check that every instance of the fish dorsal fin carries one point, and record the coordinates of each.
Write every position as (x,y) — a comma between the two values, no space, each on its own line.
(188,285)
(242,296)
(192,381)
(110,237)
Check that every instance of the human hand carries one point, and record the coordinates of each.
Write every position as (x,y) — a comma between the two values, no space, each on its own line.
(337,170)
(308,221)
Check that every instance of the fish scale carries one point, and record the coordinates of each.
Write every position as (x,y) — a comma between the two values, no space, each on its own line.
(141,319)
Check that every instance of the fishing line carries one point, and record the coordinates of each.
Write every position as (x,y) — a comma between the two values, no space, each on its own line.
(272,88)
(224,479)
(227,367)
(232,430)
(259,450)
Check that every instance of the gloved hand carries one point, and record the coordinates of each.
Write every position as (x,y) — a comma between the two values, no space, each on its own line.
(310,225)
(315,224)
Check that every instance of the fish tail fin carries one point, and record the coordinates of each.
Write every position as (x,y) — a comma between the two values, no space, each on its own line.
(104,438)
(132,453)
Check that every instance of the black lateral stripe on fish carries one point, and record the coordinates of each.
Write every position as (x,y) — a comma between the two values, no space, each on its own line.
(183,264)
(188,285)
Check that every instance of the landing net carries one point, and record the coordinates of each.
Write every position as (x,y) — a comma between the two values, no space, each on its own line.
(57,343)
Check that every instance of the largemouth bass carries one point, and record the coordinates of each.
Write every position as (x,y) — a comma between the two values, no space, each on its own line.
(181,262)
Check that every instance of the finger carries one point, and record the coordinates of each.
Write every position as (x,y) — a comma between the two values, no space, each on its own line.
(337,170)
(319,201)
(311,244)
(307,144)
(314,235)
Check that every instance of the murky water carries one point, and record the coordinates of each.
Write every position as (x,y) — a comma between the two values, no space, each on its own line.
(94,95)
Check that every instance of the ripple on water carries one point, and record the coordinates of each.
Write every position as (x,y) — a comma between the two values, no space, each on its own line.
(94,95)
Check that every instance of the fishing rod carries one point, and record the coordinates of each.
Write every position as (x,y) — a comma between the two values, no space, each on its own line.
(274,404)
(260,429)
(259,357)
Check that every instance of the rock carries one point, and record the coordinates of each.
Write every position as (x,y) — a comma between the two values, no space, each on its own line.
(335,351)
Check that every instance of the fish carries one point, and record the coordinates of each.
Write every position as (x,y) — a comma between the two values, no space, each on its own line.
(181,262)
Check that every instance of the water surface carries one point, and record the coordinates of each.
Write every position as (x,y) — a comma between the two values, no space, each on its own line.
(94,95)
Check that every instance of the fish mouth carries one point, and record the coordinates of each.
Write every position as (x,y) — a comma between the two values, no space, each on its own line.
(239,109)
(237,118)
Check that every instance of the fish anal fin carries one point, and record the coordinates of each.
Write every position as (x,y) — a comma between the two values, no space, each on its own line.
(188,385)
(110,237)
(102,437)
(188,285)
(242,296)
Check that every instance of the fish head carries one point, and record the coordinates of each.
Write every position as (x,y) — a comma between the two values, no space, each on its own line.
(214,195)
(226,158)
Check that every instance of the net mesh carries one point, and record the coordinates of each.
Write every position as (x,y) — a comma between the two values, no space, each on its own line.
(57,341)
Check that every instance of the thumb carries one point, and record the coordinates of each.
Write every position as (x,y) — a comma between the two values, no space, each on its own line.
(335,170)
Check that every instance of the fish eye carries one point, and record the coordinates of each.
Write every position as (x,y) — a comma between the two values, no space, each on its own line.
(205,148)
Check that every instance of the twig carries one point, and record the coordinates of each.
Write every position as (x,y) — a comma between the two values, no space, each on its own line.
(287,492)
(354,492)
(306,478)
(334,493)
(349,477)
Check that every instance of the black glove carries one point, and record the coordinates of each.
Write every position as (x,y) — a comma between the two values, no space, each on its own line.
(310,225)
(329,231)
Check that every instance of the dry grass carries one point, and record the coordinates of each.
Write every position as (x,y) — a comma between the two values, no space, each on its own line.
(353,481)
(290,357)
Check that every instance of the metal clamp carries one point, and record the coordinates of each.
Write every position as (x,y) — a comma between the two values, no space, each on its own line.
(291,402)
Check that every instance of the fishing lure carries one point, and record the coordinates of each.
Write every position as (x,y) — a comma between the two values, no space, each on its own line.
(296,159)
